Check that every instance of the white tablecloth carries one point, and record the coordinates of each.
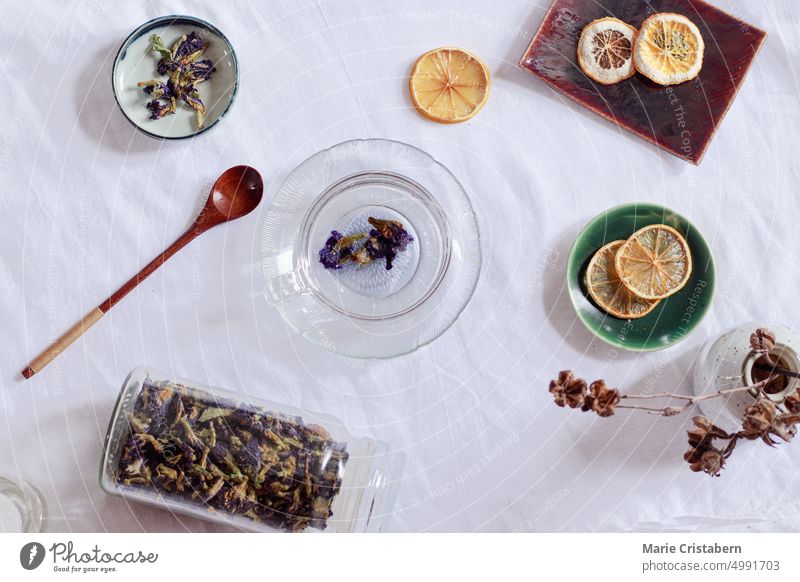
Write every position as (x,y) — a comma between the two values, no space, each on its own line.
(85,201)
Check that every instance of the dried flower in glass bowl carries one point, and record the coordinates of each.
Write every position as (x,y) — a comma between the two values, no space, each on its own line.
(401,263)
(385,240)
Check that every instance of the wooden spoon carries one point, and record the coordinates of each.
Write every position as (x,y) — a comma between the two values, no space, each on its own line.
(235,193)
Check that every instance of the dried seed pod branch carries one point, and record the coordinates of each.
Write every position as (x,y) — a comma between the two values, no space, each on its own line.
(692,400)
(762,420)
(673,410)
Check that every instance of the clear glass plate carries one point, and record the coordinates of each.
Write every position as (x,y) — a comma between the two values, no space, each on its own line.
(371,312)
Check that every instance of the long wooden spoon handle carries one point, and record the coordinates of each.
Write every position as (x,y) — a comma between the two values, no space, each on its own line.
(149,268)
(62,343)
(79,328)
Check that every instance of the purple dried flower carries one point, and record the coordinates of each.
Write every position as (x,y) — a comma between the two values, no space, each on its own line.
(172,91)
(384,241)
(186,46)
(191,97)
(184,70)
(329,255)
(219,452)
(339,249)
(392,231)
(166,66)
(199,71)
(158,89)
(158,109)
(250,455)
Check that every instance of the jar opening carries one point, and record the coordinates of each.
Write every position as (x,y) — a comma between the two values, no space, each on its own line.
(763,369)
(759,367)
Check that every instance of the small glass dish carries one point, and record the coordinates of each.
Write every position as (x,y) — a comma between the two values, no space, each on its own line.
(371,312)
(135,62)
(22,507)
(242,461)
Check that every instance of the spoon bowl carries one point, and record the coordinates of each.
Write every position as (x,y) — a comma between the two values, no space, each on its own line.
(236,192)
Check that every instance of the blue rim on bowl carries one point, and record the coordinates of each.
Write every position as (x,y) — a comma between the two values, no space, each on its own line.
(172,20)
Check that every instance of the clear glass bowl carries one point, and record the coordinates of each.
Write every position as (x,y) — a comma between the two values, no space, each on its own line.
(371,312)
(22,507)
(247,463)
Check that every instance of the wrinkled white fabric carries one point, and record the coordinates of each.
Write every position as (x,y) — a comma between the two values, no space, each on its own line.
(86,201)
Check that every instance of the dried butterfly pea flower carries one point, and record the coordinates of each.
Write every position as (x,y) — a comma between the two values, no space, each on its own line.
(329,255)
(184,69)
(387,238)
(198,71)
(157,45)
(158,89)
(192,98)
(383,241)
(338,249)
(189,445)
(187,47)
(159,109)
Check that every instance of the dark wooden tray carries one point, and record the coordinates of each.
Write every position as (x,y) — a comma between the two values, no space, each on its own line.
(681,119)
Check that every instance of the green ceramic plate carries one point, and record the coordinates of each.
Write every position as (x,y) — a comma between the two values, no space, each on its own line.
(675,317)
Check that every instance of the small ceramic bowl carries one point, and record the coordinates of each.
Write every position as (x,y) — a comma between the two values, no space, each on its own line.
(135,62)
(675,317)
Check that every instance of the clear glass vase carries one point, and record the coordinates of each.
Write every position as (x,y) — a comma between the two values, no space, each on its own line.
(728,362)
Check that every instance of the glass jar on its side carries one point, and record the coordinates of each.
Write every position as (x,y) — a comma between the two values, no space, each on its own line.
(247,463)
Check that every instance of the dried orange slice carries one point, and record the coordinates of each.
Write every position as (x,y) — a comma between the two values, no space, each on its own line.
(668,49)
(606,289)
(449,85)
(605,51)
(655,262)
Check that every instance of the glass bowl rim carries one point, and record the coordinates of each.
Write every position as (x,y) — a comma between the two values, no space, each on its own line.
(319,203)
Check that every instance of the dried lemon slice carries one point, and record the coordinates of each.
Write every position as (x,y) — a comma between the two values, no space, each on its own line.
(606,289)
(668,49)
(654,262)
(605,51)
(449,85)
